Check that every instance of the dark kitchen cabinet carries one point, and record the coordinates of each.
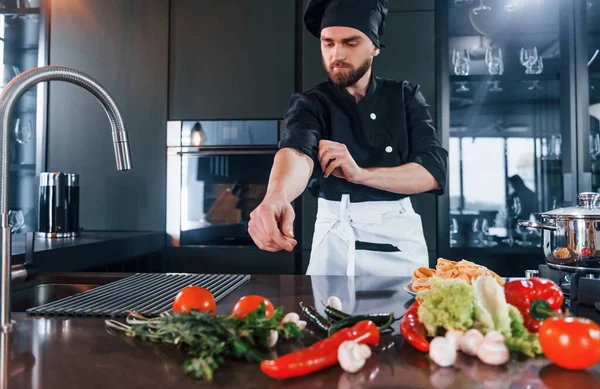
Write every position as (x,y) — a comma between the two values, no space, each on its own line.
(124,46)
(231,59)
(407,56)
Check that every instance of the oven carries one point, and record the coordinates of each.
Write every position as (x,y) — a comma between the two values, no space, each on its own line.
(217,173)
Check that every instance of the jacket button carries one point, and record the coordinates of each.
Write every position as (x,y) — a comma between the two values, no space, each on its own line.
(373,116)
(388,149)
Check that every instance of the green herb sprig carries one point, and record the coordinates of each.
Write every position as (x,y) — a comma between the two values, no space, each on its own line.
(209,339)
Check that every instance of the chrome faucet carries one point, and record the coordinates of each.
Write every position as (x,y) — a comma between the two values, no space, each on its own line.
(11,93)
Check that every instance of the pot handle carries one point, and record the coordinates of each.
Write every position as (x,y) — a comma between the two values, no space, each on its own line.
(539,226)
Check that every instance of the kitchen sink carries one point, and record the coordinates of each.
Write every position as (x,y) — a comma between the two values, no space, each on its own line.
(55,286)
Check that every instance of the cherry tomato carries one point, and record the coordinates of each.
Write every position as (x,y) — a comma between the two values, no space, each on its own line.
(571,342)
(194,297)
(247,304)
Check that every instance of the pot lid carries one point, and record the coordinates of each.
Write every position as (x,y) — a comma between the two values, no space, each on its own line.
(589,206)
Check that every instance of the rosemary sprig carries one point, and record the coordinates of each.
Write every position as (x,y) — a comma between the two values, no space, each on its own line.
(209,339)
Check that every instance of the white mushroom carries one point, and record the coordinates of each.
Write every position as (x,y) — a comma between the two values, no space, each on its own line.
(335,303)
(352,355)
(493,351)
(442,351)
(273,337)
(301,325)
(454,336)
(470,342)
(291,317)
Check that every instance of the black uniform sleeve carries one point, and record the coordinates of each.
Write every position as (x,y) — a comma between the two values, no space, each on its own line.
(425,148)
(303,125)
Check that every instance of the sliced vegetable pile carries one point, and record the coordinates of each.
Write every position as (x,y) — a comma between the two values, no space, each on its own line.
(482,319)
(248,333)
(490,321)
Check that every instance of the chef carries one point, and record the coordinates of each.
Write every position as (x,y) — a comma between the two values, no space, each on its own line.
(363,145)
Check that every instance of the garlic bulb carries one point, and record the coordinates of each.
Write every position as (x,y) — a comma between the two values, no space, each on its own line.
(352,355)
(335,303)
(301,325)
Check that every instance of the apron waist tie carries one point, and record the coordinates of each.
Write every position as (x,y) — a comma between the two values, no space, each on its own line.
(344,229)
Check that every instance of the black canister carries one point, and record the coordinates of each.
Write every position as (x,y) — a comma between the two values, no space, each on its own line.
(59,205)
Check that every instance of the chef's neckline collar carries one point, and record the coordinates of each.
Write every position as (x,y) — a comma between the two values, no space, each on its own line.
(370,89)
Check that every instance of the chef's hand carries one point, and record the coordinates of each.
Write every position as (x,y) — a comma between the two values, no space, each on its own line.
(271,225)
(336,159)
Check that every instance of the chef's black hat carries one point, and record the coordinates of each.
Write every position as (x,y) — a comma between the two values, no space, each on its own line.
(367,16)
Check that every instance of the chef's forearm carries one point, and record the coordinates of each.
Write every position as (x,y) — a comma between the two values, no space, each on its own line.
(410,178)
(290,174)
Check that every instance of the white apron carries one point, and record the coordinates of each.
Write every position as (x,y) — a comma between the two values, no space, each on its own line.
(340,224)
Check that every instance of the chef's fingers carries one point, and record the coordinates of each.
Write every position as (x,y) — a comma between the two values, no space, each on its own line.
(328,145)
(256,231)
(333,165)
(328,157)
(256,237)
(273,234)
(287,221)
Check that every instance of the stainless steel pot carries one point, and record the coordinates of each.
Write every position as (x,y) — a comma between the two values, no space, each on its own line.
(571,235)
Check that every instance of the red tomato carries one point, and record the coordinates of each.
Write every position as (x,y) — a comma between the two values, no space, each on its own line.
(571,342)
(194,297)
(247,304)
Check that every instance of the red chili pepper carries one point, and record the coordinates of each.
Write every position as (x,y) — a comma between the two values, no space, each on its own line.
(321,354)
(413,330)
(536,299)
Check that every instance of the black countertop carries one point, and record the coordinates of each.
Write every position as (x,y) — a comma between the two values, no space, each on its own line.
(90,249)
(78,352)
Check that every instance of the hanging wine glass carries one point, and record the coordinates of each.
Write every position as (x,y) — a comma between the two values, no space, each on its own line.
(528,58)
(453,232)
(481,9)
(493,59)
(23,132)
(461,61)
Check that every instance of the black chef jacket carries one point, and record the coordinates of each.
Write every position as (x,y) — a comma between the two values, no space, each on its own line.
(389,127)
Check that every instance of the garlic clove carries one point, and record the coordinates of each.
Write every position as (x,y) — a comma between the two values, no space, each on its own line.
(273,337)
(291,317)
(335,303)
(301,325)
(470,342)
(454,336)
(493,351)
(442,351)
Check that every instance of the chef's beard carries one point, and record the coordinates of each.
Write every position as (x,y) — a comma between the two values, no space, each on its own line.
(349,76)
